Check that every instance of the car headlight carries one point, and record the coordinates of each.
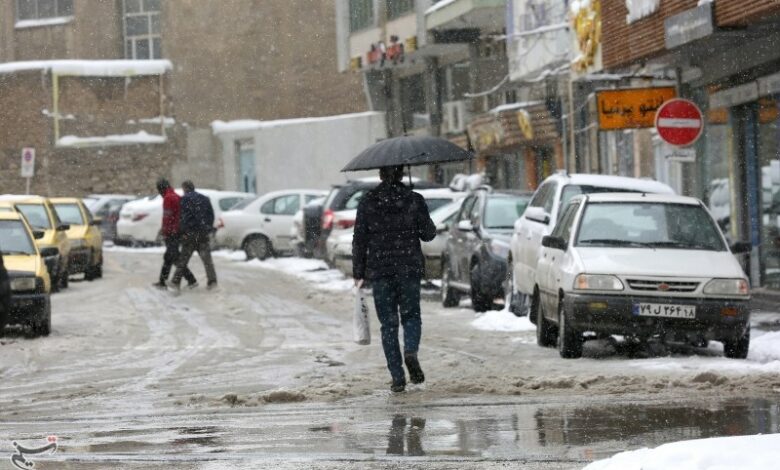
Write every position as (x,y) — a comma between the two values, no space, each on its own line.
(597,282)
(20,284)
(727,287)
(499,248)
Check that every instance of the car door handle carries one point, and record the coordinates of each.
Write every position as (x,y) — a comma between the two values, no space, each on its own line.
(267,219)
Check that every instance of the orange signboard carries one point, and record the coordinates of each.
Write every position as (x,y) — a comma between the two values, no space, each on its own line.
(631,108)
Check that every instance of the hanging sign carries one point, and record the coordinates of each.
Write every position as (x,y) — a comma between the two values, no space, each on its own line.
(632,108)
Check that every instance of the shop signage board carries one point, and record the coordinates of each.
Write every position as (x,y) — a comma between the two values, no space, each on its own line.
(680,154)
(632,108)
(688,26)
(679,122)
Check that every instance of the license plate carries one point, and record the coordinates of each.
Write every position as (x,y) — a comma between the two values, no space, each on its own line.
(664,310)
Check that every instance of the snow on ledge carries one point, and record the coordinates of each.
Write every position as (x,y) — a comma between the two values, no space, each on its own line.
(438,6)
(23,24)
(91,68)
(141,137)
(244,125)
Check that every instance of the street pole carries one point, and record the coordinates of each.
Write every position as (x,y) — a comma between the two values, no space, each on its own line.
(27,191)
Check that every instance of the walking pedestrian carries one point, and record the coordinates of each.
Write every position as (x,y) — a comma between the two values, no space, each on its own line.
(197,224)
(170,233)
(391,221)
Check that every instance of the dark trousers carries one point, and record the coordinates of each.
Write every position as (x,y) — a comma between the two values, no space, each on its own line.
(393,296)
(169,259)
(190,243)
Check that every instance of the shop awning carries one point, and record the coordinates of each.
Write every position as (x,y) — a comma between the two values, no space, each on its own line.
(512,126)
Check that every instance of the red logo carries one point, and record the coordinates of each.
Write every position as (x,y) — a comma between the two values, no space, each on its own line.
(664,286)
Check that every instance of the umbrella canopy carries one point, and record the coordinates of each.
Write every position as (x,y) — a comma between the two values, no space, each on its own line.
(408,151)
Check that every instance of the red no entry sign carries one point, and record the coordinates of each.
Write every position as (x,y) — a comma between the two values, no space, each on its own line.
(679,122)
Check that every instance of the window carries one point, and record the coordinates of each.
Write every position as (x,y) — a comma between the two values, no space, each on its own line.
(228,202)
(396,8)
(142,29)
(16,239)
(40,9)
(502,212)
(69,214)
(465,210)
(361,14)
(563,229)
(36,215)
(283,205)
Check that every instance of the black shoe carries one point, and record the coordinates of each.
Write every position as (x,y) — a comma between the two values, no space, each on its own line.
(160,285)
(413,366)
(398,387)
(211,285)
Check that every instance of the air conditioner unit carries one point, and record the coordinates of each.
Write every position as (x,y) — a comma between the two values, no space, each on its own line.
(455,117)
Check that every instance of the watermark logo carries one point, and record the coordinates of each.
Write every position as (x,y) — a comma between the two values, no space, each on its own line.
(20,459)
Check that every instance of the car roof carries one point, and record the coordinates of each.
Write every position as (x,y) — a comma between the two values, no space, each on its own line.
(106,196)
(11,215)
(440,193)
(615,182)
(65,200)
(641,197)
(23,198)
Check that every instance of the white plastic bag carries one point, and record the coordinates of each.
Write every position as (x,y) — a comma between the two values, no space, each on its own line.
(361,333)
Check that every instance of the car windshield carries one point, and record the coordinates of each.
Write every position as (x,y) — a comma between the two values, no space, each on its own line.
(36,215)
(502,212)
(571,190)
(15,239)
(649,225)
(69,214)
(243,204)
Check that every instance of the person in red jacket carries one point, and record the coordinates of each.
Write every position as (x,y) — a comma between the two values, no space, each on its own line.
(170,232)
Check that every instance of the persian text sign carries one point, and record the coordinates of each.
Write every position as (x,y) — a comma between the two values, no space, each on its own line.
(632,108)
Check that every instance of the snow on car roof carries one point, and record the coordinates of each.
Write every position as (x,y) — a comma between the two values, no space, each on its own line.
(643,197)
(618,182)
(440,193)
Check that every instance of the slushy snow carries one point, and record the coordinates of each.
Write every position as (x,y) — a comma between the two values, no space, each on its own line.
(760,452)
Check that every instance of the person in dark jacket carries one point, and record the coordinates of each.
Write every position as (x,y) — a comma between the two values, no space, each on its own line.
(197,223)
(170,232)
(391,221)
(5,295)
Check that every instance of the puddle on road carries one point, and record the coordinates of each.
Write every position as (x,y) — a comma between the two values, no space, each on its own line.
(543,433)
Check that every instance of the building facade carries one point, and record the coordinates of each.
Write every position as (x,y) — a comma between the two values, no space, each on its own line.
(231,59)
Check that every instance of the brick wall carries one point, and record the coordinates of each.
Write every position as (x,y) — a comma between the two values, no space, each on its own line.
(80,171)
(624,44)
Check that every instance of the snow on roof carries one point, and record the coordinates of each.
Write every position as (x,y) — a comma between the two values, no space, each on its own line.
(621,182)
(91,68)
(439,5)
(141,137)
(513,106)
(242,125)
(43,22)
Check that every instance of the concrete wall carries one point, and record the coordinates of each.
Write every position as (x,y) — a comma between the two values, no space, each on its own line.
(307,154)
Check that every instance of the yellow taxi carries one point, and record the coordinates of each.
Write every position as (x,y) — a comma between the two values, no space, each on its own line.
(40,214)
(27,273)
(86,241)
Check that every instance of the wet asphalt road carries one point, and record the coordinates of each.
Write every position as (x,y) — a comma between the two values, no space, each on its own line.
(262,374)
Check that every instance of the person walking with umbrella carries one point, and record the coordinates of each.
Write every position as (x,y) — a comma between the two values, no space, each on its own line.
(391,221)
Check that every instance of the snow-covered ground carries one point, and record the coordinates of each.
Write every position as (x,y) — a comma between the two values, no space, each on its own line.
(761,452)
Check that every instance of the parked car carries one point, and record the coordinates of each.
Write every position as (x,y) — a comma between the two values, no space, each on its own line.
(28,277)
(86,241)
(433,250)
(304,232)
(40,215)
(344,197)
(140,221)
(640,265)
(261,226)
(107,207)
(339,243)
(543,213)
(475,259)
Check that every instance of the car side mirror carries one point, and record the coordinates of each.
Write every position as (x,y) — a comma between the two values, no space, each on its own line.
(740,248)
(441,228)
(49,251)
(63,228)
(556,243)
(537,214)
(97,221)
(465,226)
(38,234)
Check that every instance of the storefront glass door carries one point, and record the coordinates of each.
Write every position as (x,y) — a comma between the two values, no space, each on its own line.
(768,175)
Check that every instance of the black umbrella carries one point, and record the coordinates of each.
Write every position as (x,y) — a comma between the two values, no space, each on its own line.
(408,151)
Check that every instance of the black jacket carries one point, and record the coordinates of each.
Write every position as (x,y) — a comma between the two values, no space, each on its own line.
(391,221)
(197,215)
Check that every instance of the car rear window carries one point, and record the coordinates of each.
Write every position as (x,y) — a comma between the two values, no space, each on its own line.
(15,239)
(36,215)
(69,214)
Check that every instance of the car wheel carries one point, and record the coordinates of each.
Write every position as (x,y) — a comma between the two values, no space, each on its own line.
(449,296)
(737,348)
(56,283)
(63,279)
(545,333)
(569,339)
(479,301)
(42,324)
(257,247)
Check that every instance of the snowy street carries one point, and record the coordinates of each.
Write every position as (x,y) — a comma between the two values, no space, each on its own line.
(264,372)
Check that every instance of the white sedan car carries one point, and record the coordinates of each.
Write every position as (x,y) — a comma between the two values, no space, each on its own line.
(542,215)
(262,226)
(140,221)
(641,266)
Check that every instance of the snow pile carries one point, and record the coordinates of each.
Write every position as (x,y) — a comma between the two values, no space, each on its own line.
(754,452)
(229,255)
(765,348)
(638,9)
(313,271)
(141,137)
(56,21)
(503,320)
